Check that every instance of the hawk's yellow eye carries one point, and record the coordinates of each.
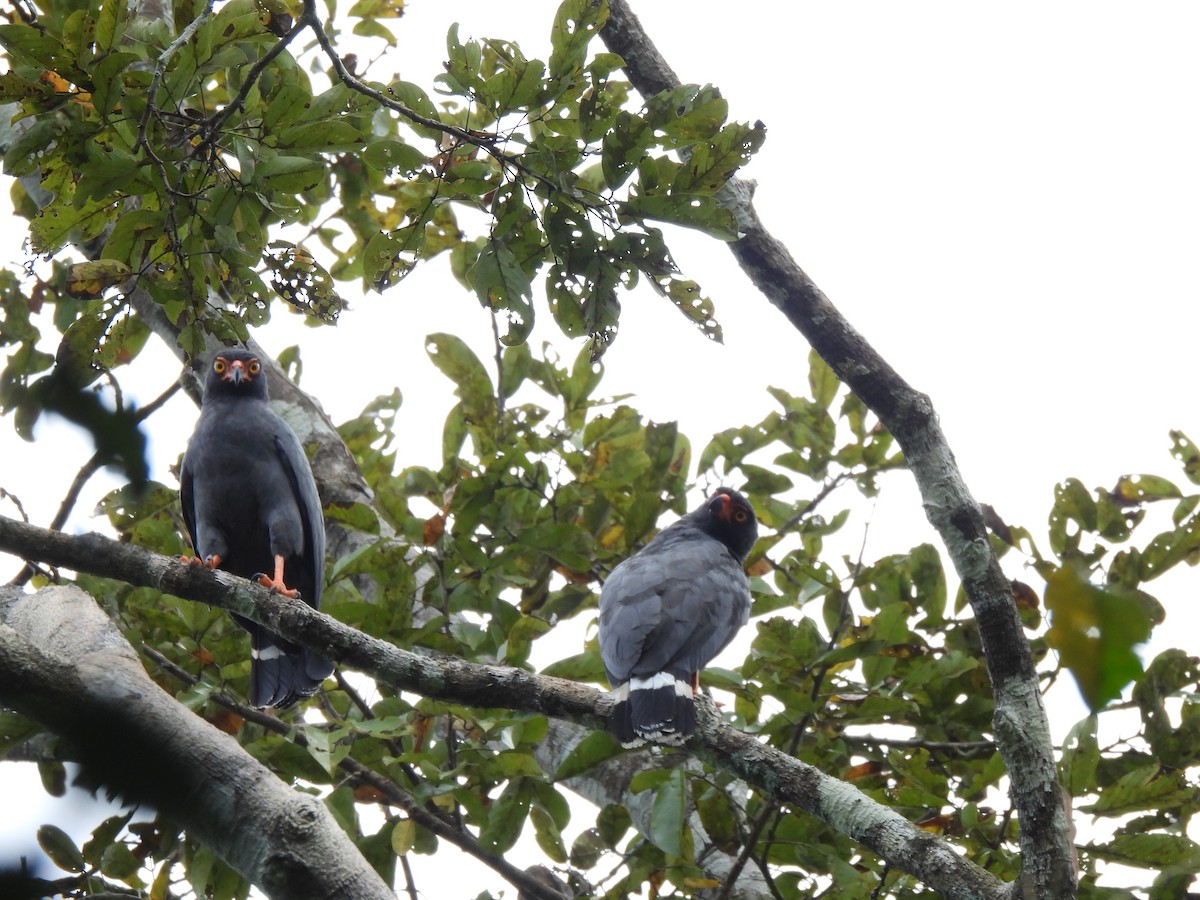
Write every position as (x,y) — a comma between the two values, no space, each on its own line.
(255,368)
(219,366)
(740,516)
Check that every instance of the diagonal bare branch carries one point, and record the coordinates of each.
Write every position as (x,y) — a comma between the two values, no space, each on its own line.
(1022,728)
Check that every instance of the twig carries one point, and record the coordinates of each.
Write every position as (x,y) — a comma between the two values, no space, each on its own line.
(826,489)
(484,141)
(410,885)
(212,125)
(16,501)
(160,67)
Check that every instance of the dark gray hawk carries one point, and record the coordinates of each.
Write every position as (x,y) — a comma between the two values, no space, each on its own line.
(251,506)
(667,611)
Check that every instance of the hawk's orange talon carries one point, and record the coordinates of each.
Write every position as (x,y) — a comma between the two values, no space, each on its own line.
(276,585)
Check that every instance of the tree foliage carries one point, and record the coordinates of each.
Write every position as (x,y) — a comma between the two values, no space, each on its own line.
(195,169)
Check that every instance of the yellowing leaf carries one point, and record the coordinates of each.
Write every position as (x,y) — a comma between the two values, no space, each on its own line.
(89,279)
(1094,629)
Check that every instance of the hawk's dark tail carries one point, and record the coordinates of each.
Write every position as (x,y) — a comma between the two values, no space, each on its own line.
(282,673)
(659,708)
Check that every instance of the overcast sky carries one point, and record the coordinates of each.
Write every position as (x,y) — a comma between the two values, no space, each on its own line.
(1002,199)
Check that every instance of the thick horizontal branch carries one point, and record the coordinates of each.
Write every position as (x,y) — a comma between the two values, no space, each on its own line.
(64,664)
(784,778)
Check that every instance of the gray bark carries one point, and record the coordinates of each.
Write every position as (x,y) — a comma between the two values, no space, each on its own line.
(64,664)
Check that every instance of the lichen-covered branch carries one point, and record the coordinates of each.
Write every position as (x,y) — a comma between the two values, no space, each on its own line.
(64,664)
(783,778)
(1022,729)
(390,793)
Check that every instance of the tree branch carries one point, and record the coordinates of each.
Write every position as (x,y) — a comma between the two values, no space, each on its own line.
(483,140)
(160,68)
(1022,728)
(391,794)
(782,778)
(64,664)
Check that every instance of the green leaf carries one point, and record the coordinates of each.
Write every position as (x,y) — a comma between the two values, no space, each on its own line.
(719,816)
(597,747)
(374,28)
(35,46)
(118,861)
(548,834)
(109,25)
(27,152)
(103,835)
(1165,852)
(688,113)
(699,211)
(60,848)
(821,381)
(358,516)
(1094,630)
(327,746)
(587,849)
(567,542)
(1188,454)
(503,287)
(1145,788)
(387,155)
(623,147)
(15,729)
(291,173)
(389,256)
(506,818)
(404,836)
(54,776)
(13,88)
(581,667)
(325,136)
(668,815)
(711,165)
(575,24)
(1170,548)
(133,232)
(460,364)
(612,823)
(1144,489)
(415,99)
(378,9)
(1074,509)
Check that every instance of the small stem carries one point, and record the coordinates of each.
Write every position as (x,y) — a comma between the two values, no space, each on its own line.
(160,67)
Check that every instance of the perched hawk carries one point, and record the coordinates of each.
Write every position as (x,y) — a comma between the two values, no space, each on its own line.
(251,507)
(667,611)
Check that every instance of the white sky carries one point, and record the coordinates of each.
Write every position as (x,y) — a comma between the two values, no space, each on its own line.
(1003,201)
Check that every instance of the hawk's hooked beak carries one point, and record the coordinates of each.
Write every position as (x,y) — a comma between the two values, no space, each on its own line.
(237,372)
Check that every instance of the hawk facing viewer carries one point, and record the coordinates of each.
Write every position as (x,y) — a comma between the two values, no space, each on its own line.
(251,507)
